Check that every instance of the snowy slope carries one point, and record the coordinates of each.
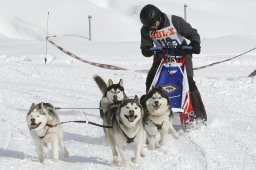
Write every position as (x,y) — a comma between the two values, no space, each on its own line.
(119,20)
(228,94)
(228,141)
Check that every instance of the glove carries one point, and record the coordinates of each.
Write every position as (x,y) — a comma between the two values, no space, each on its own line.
(196,48)
(178,51)
(146,52)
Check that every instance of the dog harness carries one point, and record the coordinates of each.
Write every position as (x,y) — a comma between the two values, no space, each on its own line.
(47,126)
(129,140)
(158,126)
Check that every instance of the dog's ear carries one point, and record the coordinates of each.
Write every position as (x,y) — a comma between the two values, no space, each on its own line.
(151,89)
(136,99)
(110,82)
(32,107)
(43,108)
(121,83)
(159,88)
(142,112)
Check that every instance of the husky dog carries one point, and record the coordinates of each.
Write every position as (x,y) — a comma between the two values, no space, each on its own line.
(43,122)
(127,128)
(112,93)
(158,117)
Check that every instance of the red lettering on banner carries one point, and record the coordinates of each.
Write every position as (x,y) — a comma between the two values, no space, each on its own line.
(171,31)
(158,35)
(162,33)
(153,35)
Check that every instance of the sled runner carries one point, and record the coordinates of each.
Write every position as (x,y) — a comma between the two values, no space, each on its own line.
(172,77)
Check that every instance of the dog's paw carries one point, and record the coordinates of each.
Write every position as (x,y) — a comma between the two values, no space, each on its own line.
(41,159)
(176,135)
(45,152)
(115,160)
(158,147)
(151,147)
(161,143)
(65,153)
(142,153)
(127,164)
(136,160)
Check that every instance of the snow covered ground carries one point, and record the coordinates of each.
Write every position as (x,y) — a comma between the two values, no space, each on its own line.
(227,142)
(229,95)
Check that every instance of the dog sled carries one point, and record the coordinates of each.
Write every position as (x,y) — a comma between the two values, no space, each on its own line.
(171,76)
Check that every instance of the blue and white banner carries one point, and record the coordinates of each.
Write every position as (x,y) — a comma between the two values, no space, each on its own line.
(172,77)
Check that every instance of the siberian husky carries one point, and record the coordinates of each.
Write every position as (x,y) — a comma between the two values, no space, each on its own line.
(112,93)
(126,119)
(158,117)
(41,119)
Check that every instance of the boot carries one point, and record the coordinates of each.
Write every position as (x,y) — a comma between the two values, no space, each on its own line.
(198,105)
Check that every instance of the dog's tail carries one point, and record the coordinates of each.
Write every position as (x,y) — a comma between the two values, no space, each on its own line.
(101,83)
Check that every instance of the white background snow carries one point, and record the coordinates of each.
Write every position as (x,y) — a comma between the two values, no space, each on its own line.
(227,28)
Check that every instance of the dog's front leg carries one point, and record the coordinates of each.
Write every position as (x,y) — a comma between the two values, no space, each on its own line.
(39,149)
(114,154)
(45,150)
(64,150)
(114,151)
(163,135)
(55,148)
(127,162)
(151,142)
(164,132)
(138,152)
(173,131)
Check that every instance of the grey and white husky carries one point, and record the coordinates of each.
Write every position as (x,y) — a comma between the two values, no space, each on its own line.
(158,117)
(41,119)
(126,119)
(112,93)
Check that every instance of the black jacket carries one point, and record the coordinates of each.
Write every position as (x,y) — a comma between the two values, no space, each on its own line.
(182,27)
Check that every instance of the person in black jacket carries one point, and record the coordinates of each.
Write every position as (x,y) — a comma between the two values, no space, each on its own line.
(159,27)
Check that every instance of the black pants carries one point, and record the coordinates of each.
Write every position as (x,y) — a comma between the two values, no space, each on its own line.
(196,99)
(189,69)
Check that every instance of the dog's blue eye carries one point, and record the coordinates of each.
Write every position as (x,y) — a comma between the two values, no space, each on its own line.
(127,107)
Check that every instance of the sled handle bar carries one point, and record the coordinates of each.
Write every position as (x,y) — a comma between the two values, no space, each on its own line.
(186,48)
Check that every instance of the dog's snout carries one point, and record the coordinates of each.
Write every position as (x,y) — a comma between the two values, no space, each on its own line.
(156,102)
(33,120)
(115,97)
(131,112)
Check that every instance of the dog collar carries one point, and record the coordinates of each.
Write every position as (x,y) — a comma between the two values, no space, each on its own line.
(48,125)
(41,137)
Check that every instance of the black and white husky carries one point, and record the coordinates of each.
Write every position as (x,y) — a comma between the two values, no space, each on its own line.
(126,119)
(112,93)
(158,117)
(41,119)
